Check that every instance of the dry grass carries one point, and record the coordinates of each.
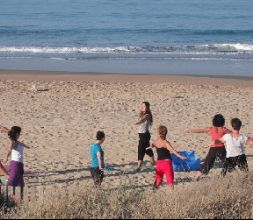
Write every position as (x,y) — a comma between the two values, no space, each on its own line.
(220,198)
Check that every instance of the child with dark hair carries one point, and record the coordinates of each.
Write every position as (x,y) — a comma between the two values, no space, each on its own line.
(217,148)
(97,159)
(16,166)
(235,144)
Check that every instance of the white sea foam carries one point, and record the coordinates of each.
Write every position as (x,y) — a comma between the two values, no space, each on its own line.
(175,49)
(237,47)
(64,49)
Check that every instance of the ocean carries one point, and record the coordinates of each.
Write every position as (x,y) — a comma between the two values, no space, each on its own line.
(128,36)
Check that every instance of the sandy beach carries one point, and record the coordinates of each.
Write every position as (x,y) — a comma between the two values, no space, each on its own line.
(60,121)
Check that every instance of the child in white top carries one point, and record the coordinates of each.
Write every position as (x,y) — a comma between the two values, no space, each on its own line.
(235,144)
(16,165)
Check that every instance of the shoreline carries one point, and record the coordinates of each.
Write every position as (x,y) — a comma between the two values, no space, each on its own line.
(30,75)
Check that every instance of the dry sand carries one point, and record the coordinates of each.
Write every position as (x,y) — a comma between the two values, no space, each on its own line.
(60,124)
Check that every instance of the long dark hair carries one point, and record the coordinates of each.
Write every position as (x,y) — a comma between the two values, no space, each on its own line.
(148,112)
(14,133)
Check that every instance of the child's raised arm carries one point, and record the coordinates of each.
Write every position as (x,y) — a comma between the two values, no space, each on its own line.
(250,142)
(228,131)
(221,140)
(3,129)
(173,151)
(25,145)
(9,152)
(199,131)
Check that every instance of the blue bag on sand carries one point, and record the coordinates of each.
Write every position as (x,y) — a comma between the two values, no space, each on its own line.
(191,164)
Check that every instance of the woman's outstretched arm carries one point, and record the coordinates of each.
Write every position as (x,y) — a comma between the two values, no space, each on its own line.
(199,131)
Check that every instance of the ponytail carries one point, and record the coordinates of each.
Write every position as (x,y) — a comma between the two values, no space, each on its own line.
(163,131)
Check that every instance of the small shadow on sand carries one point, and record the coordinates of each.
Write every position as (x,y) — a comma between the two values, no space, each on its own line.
(184,180)
(130,169)
(46,175)
(131,187)
(54,173)
(60,181)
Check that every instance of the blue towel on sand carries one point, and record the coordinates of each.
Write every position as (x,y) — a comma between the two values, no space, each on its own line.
(191,164)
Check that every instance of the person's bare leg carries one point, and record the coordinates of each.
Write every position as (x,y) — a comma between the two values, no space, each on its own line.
(152,161)
(14,191)
(171,188)
(198,177)
(140,162)
(13,196)
(21,194)
(7,194)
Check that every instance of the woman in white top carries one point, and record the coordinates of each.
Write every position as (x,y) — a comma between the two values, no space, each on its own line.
(145,122)
(235,144)
(16,165)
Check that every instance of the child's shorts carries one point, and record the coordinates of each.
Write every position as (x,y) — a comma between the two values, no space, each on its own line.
(233,162)
(97,175)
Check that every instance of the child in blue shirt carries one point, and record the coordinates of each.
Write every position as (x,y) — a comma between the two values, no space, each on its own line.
(97,159)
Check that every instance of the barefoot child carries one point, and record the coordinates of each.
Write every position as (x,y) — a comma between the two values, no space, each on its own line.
(217,149)
(16,165)
(98,159)
(235,144)
(164,162)
(145,122)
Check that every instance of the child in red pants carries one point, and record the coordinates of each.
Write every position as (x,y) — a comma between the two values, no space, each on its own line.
(164,162)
